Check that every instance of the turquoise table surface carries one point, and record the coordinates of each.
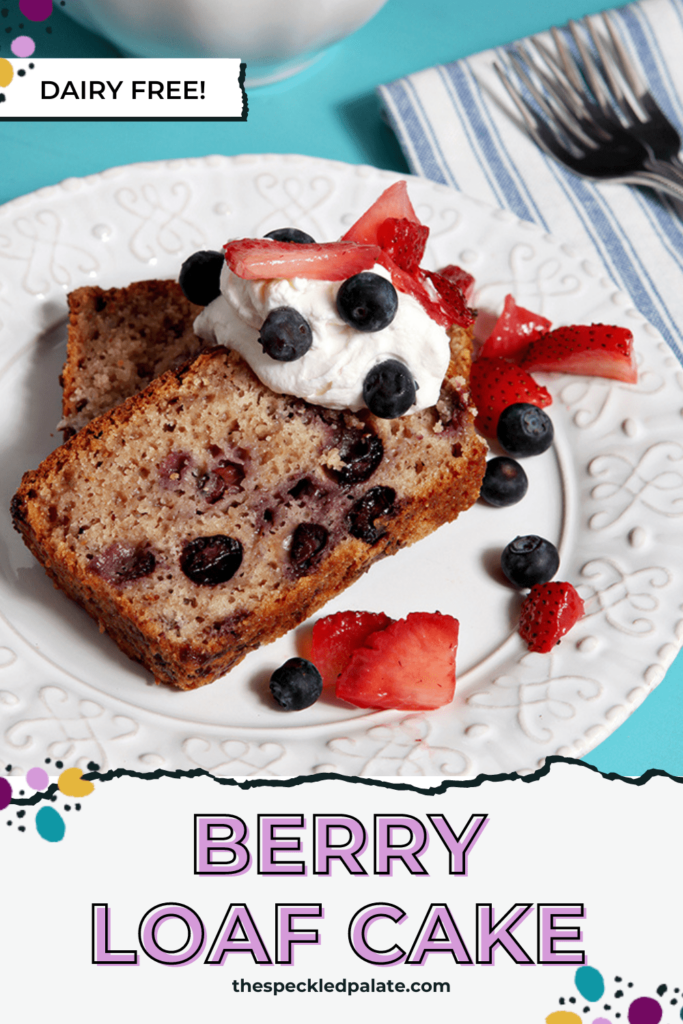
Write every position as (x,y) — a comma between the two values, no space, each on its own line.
(329,110)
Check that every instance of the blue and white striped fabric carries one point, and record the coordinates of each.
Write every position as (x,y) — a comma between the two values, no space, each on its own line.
(456,127)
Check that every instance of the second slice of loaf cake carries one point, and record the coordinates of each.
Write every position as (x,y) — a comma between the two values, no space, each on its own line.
(207,515)
(120,339)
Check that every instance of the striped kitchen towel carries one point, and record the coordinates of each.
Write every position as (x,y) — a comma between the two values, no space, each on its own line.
(456,125)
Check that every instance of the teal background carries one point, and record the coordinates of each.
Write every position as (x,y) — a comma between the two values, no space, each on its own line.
(329,110)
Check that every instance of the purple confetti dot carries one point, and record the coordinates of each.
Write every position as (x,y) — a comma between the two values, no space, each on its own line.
(22,46)
(644,1011)
(5,793)
(36,10)
(38,778)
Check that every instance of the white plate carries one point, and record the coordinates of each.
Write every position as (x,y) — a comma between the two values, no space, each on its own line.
(610,495)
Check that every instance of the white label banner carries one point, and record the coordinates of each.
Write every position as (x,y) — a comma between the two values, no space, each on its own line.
(501,902)
(127,88)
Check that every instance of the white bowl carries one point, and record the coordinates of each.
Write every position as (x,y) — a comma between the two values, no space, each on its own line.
(276,38)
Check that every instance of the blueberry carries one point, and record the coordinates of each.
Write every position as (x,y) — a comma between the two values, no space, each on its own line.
(367,302)
(296,685)
(308,540)
(200,277)
(208,561)
(361,451)
(389,389)
(525,430)
(505,482)
(378,501)
(285,335)
(121,562)
(529,560)
(290,235)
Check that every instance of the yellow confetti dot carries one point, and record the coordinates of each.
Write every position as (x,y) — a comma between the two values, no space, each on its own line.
(563,1017)
(6,72)
(71,783)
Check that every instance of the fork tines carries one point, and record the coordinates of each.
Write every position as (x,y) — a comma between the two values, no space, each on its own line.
(586,100)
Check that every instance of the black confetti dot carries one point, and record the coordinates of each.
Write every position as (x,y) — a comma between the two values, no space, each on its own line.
(48,760)
(617,979)
(571,999)
(661,989)
(21,72)
(586,1009)
(49,31)
(59,764)
(618,994)
(21,792)
(607,1006)
(8,768)
(673,1002)
(21,814)
(561,1000)
(22,828)
(9,822)
(8,29)
(77,806)
(4,12)
(93,766)
(31,66)
(630,984)
(67,807)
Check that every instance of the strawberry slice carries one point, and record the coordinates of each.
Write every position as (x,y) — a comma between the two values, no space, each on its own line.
(495,384)
(254,258)
(598,351)
(462,279)
(335,638)
(452,300)
(404,240)
(409,666)
(548,612)
(514,329)
(393,202)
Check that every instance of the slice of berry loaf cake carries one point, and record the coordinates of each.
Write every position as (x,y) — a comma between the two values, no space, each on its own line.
(208,515)
(118,341)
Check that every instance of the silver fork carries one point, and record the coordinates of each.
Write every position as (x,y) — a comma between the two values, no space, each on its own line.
(597,116)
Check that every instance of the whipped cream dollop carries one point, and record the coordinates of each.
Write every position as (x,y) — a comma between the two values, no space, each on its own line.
(331,373)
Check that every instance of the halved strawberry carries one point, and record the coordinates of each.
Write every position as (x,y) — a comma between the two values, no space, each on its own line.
(254,258)
(409,666)
(335,638)
(393,202)
(598,351)
(514,329)
(495,384)
(404,240)
(459,277)
(548,612)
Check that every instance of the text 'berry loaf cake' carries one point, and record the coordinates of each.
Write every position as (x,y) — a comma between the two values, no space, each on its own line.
(208,514)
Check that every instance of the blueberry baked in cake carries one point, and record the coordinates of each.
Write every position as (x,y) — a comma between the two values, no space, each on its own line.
(327,424)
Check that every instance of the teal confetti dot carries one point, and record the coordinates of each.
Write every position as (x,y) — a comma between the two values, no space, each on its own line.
(590,983)
(50,824)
